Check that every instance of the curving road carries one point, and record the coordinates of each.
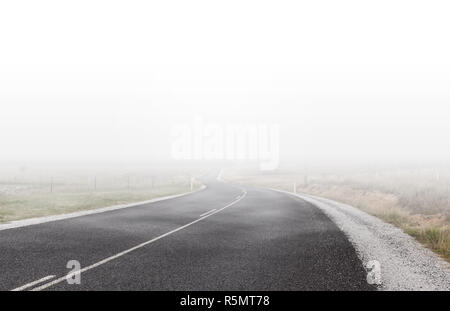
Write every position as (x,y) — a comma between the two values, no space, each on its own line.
(221,238)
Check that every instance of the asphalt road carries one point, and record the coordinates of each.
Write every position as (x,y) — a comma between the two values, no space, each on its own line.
(252,239)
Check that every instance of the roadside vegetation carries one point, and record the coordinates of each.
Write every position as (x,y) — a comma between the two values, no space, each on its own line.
(27,194)
(415,200)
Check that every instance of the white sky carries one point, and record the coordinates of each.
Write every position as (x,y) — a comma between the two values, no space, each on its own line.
(93,80)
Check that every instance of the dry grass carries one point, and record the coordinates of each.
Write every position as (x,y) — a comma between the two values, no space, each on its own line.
(20,206)
(436,238)
(35,195)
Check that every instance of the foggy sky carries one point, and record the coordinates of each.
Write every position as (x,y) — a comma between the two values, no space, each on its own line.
(106,80)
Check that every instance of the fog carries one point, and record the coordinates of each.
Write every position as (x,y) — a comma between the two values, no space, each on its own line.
(106,81)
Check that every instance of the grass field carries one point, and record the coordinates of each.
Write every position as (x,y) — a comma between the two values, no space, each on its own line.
(36,193)
(416,200)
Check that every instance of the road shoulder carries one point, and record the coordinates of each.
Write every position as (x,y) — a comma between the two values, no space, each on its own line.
(405,264)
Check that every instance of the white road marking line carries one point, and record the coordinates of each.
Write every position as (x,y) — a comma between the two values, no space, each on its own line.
(24,287)
(204,214)
(106,260)
(219,177)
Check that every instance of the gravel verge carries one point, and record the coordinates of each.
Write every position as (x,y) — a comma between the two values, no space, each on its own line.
(406,265)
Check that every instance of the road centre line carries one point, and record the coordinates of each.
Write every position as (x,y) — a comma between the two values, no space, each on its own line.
(204,214)
(31,284)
